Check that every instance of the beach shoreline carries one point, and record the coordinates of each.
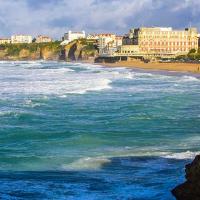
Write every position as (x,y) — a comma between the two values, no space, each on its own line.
(137,64)
(176,67)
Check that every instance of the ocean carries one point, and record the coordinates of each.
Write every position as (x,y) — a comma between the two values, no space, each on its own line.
(86,132)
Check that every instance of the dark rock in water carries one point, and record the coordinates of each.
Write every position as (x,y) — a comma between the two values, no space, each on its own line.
(190,190)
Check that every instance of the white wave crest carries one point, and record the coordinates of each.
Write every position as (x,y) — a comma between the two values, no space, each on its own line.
(10,113)
(52,80)
(96,163)
(129,76)
(182,155)
(30,103)
(189,79)
(87,163)
(5,113)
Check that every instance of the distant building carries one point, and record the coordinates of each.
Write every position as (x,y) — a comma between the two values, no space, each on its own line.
(105,43)
(21,39)
(158,41)
(108,44)
(129,38)
(92,37)
(70,36)
(198,40)
(43,39)
(5,40)
(118,40)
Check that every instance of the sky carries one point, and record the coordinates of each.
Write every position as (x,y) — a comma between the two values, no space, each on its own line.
(54,17)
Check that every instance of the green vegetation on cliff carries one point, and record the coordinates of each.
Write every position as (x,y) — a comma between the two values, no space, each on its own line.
(81,49)
(15,49)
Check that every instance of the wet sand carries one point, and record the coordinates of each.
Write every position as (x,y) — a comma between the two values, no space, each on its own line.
(179,67)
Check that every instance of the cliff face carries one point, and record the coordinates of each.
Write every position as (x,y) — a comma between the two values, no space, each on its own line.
(49,54)
(33,51)
(190,190)
(25,54)
(80,50)
(2,54)
(74,51)
(69,51)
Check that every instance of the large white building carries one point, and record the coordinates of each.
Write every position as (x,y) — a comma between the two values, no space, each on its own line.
(70,36)
(16,39)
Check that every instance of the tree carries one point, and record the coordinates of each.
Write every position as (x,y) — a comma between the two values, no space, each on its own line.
(192,51)
(34,40)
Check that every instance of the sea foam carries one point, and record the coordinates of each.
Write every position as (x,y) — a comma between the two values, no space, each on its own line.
(182,155)
(189,79)
(87,163)
(51,79)
(96,163)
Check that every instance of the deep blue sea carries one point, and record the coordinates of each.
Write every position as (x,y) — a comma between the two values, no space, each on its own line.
(85,132)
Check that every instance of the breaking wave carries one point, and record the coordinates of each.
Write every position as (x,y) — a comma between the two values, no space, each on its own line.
(87,163)
(50,80)
(96,163)
(188,79)
(182,155)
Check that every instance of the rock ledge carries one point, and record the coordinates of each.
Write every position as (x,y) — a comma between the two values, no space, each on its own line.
(190,190)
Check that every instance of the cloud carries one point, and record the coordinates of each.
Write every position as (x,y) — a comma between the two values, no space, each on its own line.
(55,17)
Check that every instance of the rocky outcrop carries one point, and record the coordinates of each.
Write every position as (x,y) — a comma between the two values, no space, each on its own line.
(49,54)
(74,51)
(2,54)
(44,53)
(78,50)
(190,190)
(24,54)
(69,51)
(36,55)
(32,51)
(77,53)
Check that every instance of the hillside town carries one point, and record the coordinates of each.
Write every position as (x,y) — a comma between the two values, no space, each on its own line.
(145,42)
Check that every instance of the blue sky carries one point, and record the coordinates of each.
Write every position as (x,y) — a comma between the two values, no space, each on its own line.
(54,17)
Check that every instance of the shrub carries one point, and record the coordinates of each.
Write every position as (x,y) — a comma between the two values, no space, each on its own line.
(192,51)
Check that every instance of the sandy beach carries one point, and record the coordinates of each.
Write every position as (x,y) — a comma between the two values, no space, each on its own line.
(180,67)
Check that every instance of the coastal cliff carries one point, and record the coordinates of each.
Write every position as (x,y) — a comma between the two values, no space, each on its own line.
(80,50)
(33,51)
(190,190)
(74,51)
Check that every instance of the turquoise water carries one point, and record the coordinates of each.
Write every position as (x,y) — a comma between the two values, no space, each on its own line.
(79,131)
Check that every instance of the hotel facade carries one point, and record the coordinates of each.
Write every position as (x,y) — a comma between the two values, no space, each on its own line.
(158,41)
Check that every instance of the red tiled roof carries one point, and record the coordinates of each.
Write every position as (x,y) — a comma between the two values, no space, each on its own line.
(105,34)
